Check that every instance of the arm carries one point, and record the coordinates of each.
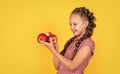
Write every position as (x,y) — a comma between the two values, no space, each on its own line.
(79,58)
(55,59)
(56,62)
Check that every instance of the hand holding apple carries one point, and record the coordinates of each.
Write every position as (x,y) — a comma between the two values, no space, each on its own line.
(49,40)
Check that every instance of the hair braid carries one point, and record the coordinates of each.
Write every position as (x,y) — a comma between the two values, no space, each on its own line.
(66,45)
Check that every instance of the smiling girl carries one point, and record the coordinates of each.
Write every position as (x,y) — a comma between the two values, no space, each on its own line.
(79,49)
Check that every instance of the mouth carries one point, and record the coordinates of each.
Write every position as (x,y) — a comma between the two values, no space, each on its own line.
(74,31)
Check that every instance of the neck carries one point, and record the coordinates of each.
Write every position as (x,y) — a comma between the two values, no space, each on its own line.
(79,36)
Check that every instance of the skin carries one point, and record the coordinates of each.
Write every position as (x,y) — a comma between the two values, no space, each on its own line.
(78,27)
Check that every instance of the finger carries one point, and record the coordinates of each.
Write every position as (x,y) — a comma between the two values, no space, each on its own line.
(42,44)
(57,46)
(51,41)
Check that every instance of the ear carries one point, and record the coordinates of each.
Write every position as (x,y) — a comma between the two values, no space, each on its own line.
(86,23)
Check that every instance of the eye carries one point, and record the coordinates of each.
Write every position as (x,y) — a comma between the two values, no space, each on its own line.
(74,24)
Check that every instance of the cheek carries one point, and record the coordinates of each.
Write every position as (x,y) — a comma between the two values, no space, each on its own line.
(80,28)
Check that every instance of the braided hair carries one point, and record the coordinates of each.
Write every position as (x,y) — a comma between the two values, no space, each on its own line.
(87,15)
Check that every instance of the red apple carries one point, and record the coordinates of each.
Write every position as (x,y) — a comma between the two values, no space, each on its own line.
(53,37)
(48,34)
(42,37)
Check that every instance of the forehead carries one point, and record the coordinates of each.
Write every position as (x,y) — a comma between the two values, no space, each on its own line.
(75,17)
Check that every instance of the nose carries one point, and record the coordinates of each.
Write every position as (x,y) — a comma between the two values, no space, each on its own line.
(72,26)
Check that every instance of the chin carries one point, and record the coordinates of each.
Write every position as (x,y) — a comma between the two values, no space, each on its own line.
(75,35)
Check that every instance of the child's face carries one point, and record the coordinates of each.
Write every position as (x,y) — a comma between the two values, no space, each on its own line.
(77,25)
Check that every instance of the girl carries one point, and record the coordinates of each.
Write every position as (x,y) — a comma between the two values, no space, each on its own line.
(78,50)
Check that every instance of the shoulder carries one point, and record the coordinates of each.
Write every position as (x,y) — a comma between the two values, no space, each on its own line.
(88,40)
(89,43)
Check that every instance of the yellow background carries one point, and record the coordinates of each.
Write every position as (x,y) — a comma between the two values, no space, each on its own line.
(22,20)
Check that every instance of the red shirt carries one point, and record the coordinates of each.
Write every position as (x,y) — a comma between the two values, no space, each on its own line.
(68,54)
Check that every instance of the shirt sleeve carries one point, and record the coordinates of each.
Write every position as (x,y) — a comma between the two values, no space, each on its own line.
(90,43)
